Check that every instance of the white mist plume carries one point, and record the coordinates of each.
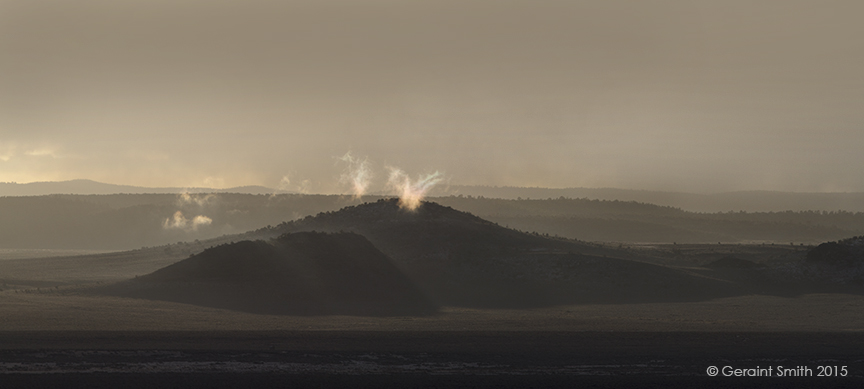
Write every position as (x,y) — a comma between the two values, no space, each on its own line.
(358,174)
(201,220)
(303,187)
(284,184)
(287,185)
(186,198)
(411,193)
(180,222)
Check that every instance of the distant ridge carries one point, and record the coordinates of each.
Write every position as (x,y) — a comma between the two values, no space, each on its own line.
(748,201)
(90,187)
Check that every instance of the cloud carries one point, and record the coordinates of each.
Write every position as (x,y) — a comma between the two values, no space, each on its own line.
(42,152)
(201,220)
(9,150)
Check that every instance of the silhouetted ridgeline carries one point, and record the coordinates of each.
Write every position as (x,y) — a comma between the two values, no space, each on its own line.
(301,273)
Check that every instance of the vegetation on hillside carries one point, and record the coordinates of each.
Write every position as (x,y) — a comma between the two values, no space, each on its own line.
(845,252)
(302,273)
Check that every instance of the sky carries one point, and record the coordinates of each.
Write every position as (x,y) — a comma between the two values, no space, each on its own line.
(681,95)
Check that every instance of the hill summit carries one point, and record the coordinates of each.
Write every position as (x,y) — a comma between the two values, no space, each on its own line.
(308,273)
(459,259)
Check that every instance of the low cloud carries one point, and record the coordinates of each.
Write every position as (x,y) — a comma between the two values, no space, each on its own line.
(180,222)
(186,198)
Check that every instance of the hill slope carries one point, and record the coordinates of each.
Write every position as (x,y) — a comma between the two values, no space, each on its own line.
(303,273)
(461,259)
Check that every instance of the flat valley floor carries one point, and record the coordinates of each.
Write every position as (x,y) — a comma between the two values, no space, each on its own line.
(51,339)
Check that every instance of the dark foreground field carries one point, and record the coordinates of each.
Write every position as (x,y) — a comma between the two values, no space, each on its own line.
(51,337)
(427,359)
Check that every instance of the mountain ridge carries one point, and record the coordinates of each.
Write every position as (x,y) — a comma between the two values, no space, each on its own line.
(748,200)
(91,187)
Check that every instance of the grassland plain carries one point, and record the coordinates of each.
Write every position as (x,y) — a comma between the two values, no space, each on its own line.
(53,311)
(48,338)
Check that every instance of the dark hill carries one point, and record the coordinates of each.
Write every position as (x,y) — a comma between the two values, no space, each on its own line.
(460,259)
(732,263)
(302,273)
(847,252)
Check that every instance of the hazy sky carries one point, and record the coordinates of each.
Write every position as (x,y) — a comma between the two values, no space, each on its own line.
(681,95)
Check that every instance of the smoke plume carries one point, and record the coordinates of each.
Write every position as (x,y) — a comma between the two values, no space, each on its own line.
(358,174)
(410,192)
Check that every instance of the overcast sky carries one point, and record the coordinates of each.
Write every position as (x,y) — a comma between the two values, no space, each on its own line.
(686,95)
